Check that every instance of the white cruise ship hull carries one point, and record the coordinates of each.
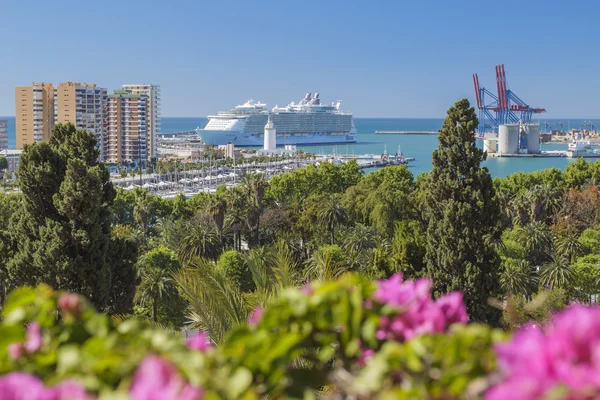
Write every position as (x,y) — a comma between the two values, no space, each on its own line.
(240,138)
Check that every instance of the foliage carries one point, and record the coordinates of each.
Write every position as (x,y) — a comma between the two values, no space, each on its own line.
(3,163)
(520,311)
(62,233)
(235,268)
(156,290)
(462,215)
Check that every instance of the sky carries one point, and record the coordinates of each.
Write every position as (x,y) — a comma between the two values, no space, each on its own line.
(382,58)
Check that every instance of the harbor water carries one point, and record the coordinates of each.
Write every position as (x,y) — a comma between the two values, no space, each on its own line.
(418,146)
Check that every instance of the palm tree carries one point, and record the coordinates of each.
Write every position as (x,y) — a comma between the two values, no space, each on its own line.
(331,214)
(201,240)
(360,237)
(519,206)
(537,239)
(568,246)
(142,209)
(254,187)
(216,209)
(544,201)
(155,271)
(322,266)
(557,274)
(518,277)
(216,306)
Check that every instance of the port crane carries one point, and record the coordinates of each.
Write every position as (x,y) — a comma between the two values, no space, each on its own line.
(502,107)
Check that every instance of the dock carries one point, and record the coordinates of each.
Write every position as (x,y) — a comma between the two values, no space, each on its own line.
(406,132)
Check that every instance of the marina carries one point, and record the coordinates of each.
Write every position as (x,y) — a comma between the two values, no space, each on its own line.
(206,180)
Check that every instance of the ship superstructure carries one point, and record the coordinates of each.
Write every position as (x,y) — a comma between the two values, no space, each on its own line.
(307,122)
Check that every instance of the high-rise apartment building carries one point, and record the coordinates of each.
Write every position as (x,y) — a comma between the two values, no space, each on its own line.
(34,113)
(153,93)
(84,105)
(128,127)
(3,134)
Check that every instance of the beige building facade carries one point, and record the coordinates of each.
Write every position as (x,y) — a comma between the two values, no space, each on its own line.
(153,93)
(84,105)
(128,128)
(34,113)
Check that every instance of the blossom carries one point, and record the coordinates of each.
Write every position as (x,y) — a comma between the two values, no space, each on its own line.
(70,304)
(34,338)
(22,386)
(16,350)
(255,316)
(564,356)
(199,342)
(33,342)
(157,379)
(417,313)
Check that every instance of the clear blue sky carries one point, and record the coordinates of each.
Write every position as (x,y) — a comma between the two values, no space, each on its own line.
(382,58)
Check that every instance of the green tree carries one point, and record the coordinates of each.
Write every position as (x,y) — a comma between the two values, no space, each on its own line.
(327,263)
(568,246)
(156,286)
(3,164)
(63,230)
(557,274)
(254,186)
(216,304)
(462,216)
(201,240)
(590,241)
(518,277)
(545,201)
(537,239)
(235,268)
(586,278)
(409,248)
(332,213)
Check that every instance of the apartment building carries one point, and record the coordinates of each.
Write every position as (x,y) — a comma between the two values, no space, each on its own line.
(128,127)
(153,93)
(84,105)
(34,113)
(3,134)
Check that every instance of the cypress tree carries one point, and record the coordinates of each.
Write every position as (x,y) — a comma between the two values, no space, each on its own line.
(63,231)
(462,215)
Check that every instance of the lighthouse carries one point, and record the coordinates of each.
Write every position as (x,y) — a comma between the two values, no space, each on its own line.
(270,136)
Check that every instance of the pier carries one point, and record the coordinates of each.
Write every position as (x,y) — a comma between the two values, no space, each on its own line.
(406,132)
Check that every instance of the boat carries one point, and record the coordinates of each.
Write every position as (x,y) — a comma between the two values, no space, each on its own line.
(580,148)
(306,123)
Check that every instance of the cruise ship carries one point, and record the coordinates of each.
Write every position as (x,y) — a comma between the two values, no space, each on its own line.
(305,123)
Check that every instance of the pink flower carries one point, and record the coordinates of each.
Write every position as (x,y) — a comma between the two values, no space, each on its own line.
(256,316)
(566,355)
(417,314)
(16,351)
(453,308)
(22,386)
(157,379)
(34,338)
(70,304)
(365,355)
(199,342)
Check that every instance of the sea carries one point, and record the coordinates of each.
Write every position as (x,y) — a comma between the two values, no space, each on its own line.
(419,147)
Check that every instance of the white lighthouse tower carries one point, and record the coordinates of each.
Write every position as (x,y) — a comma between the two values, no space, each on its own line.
(270,136)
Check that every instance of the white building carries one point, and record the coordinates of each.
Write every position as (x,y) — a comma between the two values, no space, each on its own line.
(153,93)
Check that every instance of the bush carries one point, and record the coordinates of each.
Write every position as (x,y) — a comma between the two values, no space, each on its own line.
(236,269)
(350,338)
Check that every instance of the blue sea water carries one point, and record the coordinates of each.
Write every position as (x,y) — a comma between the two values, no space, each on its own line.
(418,146)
